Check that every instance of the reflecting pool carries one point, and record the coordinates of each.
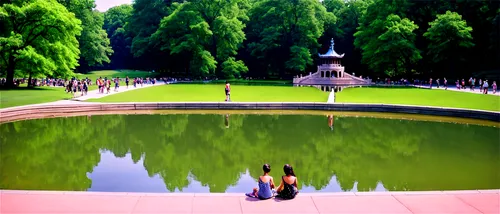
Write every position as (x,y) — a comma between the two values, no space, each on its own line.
(225,153)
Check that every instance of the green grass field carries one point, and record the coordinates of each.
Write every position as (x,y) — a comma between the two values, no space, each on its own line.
(93,75)
(415,96)
(25,96)
(215,93)
(245,93)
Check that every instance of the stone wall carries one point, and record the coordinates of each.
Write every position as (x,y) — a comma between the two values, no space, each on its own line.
(40,111)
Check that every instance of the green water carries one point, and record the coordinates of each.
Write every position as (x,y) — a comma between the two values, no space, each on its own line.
(212,153)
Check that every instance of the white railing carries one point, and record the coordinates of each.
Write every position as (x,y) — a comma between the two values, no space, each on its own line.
(327,66)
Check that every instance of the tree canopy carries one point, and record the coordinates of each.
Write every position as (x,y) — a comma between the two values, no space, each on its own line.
(115,20)
(272,38)
(40,39)
(94,43)
(449,38)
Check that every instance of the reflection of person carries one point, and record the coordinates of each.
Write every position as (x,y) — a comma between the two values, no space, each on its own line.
(266,185)
(288,187)
(226,120)
(330,121)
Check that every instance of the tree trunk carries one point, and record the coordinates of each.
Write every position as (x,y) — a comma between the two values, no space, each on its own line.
(30,84)
(10,73)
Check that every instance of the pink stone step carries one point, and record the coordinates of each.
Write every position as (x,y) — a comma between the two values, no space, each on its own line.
(385,202)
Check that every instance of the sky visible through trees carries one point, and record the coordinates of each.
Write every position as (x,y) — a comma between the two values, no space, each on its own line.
(250,38)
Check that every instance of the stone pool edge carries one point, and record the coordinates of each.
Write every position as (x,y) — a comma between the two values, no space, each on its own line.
(23,112)
(475,201)
(388,193)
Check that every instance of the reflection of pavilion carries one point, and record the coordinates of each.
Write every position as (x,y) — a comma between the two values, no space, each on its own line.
(330,72)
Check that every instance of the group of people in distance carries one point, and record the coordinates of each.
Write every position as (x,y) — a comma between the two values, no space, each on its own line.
(74,85)
(266,188)
(483,85)
(106,84)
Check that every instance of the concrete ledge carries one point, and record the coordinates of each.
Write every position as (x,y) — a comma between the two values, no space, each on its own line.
(24,112)
(473,201)
(447,192)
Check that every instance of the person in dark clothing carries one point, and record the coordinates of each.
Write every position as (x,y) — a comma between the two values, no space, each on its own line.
(288,187)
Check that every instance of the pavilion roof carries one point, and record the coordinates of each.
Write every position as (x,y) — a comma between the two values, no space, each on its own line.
(331,52)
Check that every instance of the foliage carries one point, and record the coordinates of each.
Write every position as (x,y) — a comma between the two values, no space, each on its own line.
(94,42)
(277,38)
(233,69)
(42,40)
(115,20)
(386,40)
(396,46)
(348,14)
(285,33)
(208,31)
(449,37)
(402,155)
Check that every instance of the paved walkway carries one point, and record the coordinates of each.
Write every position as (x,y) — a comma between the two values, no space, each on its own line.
(364,202)
(331,97)
(95,93)
(453,88)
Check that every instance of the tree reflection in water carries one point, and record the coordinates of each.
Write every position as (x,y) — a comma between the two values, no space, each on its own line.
(58,153)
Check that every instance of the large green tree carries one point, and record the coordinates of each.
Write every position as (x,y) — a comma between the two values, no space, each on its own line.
(284,34)
(380,24)
(39,39)
(209,32)
(449,38)
(143,23)
(94,42)
(115,20)
(393,51)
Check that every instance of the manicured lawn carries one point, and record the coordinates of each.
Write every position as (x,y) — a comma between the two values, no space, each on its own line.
(215,93)
(24,96)
(414,96)
(93,75)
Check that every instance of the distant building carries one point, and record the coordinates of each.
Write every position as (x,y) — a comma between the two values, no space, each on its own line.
(330,72)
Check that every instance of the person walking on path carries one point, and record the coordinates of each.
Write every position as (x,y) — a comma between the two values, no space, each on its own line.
(445,84)
(437,82)
(470,83)
(485,87)
(494,87)
(117,83)
(126,81)
(480,85)
(227,89)
(430,83)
